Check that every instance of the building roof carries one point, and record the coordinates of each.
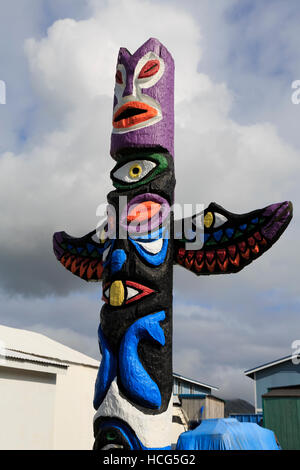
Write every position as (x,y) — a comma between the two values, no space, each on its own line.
(32,345)
(199,396)
(289,391)
(267,365)
(196,382)
(19,356)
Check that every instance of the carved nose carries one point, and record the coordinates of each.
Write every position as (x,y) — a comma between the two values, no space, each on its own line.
(128,90)
(118,259)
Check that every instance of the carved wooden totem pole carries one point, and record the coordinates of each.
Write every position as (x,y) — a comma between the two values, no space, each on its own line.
(134,252)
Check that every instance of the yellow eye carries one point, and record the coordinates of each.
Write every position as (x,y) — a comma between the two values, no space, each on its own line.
(135,171)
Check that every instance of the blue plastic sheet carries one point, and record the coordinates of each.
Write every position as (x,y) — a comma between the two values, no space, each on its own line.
(248,418)
(227,434)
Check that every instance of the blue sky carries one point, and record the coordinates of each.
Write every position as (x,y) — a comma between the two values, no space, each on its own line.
(237,143)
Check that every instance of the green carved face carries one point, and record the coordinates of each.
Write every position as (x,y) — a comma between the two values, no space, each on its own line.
(138,169)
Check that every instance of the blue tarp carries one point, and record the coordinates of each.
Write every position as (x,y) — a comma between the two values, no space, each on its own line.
(227,434)
(248,418)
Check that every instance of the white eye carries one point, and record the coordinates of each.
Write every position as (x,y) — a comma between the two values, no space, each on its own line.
(131,292)
(152,247)
(219,219)
(134,171)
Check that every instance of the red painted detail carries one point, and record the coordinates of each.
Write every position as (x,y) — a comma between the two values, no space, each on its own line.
(232,250)
(263,242)
(236,260)
(143,211)
(143,291)
(251,241)
(258,236)
(181,255)
(211,266)
(199,256)
(198,266)
(255,249)
(189,259)
(223,266)
(91,269)
(149,69)
(83,266)
(75,265)
(69,260)
(148,113)
(246,255)
(242,246)
(63,259)
(119,78)
(210,255)
(221,254)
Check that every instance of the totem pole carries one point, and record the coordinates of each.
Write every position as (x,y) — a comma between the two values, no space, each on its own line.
(134,252)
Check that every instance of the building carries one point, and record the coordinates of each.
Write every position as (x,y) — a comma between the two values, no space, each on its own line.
(200,406)
(196,399)
(46,393)
(279,373)
(281,409)
(47,390)
(183,385)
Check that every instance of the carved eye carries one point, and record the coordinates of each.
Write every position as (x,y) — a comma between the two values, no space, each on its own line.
(119,78)
(149,69)
(134,171)
(214,220)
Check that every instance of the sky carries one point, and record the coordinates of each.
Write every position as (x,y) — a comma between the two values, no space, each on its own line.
(236,143)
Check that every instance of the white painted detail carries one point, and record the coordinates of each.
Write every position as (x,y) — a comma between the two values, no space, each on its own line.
(219,219)
(152,430)
(95,238)
(131,292)
(105,254)
(106,293)
(152,247)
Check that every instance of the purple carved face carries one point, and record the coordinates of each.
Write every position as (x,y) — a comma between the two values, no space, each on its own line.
(143,114)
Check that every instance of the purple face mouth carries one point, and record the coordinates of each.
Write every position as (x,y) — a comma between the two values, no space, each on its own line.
(144,213)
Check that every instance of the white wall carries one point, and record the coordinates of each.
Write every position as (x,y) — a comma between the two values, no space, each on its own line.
(73,421)
(26,409)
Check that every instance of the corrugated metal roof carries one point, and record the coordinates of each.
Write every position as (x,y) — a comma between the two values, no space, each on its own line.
(19,356)
(40,346)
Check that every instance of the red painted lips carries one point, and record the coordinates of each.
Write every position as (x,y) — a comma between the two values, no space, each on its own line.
(132,113)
